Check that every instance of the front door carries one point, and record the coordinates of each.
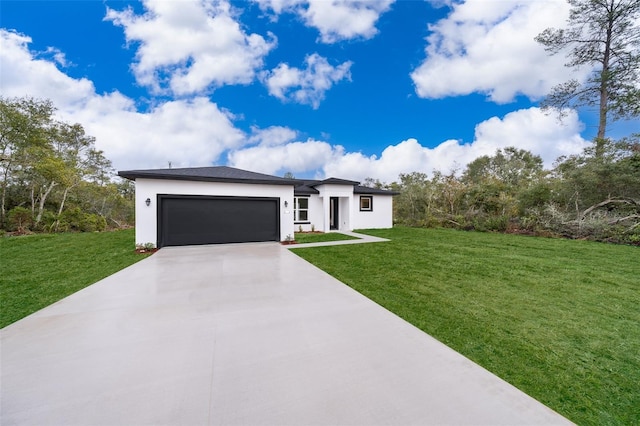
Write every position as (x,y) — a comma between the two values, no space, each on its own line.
(334,216)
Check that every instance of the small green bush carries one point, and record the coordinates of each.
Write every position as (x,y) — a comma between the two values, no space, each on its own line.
(534,197)
(491,223)
(20,219)
(94,222)
(431,221)
(77,220)
(47,222)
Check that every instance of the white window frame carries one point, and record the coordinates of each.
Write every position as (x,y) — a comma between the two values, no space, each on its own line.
(297,210)
(368,208)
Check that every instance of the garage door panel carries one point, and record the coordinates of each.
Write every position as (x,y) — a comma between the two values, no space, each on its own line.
(217,220)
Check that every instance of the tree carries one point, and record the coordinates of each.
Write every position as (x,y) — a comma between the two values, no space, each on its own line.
(43,162)
(78,160)
(114,201)
(24,124)
(448,196)
(588,179)
(513,167)
(374,183)
(413,203)
(605,35)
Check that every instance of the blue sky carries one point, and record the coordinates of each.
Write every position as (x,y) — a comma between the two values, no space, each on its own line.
(316,87)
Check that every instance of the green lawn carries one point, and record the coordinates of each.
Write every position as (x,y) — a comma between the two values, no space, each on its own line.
(559,319)
(307,237)
(38,270)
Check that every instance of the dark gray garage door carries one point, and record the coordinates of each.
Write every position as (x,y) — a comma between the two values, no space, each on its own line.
(190,220)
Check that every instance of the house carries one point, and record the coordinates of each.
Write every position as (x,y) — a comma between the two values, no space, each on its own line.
(214,205)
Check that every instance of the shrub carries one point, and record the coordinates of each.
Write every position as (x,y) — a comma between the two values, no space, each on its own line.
(535,196)
(48,221)
(431,221)
(92,223)
(20,219)
(493,223)
(77,220)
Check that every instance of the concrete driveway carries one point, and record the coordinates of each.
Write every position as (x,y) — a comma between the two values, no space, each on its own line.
(239,334)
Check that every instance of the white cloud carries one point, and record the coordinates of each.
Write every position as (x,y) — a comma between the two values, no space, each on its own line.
(291,157)
(184,132)
(274,135)
(533,130)
(335,19)
(305,86)
(191,45)
(58,56)
(197,132)
(23,74)
(441,3)
(280,6)
(529,129)
(187,133)
(489,47)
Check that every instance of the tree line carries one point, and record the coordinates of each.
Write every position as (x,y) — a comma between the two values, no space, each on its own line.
(593,195)
(52,177)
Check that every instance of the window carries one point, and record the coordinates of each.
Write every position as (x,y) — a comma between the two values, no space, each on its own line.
(300,209)
(366,203)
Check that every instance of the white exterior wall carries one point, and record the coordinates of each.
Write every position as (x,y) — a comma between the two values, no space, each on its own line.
(345,193)
(350,216)
(380,217)
(146,217)
(316,218)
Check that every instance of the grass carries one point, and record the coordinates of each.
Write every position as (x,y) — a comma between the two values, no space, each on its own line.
(559,319)
(38,270)
(307,237)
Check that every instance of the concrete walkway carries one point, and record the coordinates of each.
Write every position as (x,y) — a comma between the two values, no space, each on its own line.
(239,334)
(360,239)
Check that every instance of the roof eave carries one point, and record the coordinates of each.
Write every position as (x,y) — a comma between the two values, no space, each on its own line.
(362,190)
(137,175)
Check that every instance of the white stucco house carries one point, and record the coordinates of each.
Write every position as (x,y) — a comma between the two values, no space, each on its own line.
(216,205)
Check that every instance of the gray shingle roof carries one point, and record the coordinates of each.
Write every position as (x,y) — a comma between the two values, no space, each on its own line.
(365,190)
(308,187)
(233,175)
(305,188)
(208,174)
(336,181)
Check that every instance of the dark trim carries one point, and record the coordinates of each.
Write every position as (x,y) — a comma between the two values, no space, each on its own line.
(366,197)
(335,181)
(302,223)
(334,207)
(205,179)
(364,190)
(303,189)
(208,174)
(160,197)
